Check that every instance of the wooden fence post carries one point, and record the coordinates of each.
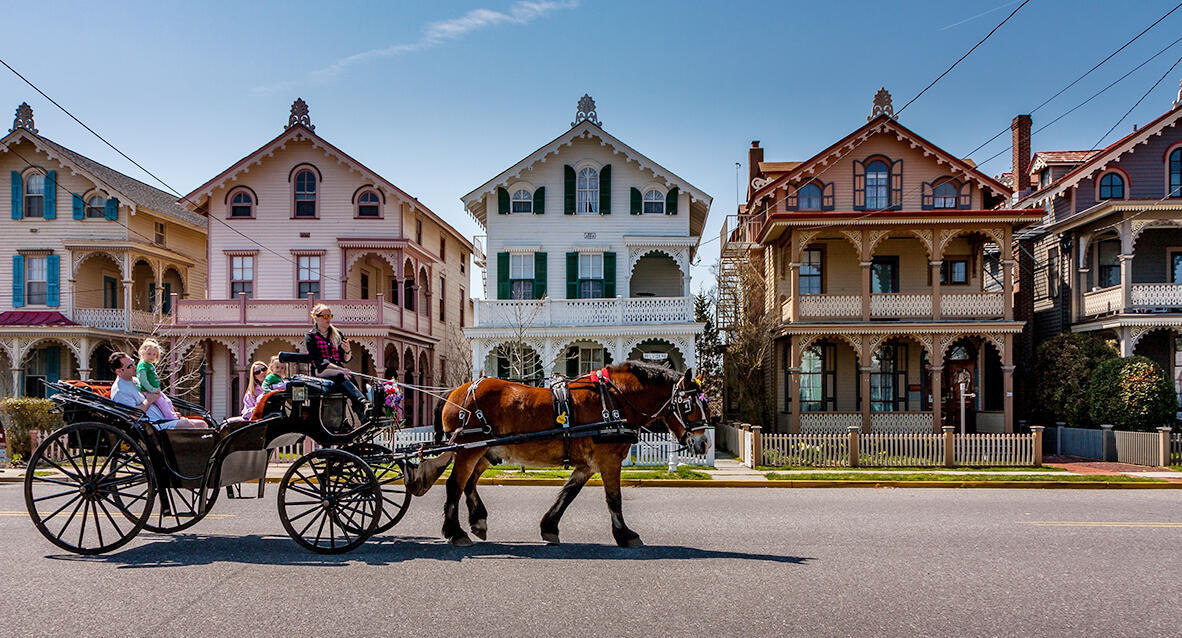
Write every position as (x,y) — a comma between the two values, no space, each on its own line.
(1037,431)
(756,446)
(949,445)
(1108,442)
(1163,446)
(855,433)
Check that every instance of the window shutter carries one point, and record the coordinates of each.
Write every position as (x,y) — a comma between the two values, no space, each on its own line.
(18,281)
(827,197)
(503,275)
(927,197)
(572,362)
(792,200)
(539,275)
(896,185)
(502,367)
(166,299)
(17,199)
(637,206)
(605,190)
(113,209)
(53,363)
(671,201)
(502,201)
(965,200)
(859,185)
(540,201)
(79,206)
(52,280)
(572,275)
(51,195)
(609,275)
(568,193)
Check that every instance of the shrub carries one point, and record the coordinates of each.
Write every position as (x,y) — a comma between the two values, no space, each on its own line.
(1133,393)
(1063,368)
(22,415)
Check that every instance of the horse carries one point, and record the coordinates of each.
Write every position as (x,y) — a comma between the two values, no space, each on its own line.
(642,392)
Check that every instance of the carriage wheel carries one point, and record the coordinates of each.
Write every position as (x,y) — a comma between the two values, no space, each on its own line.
(179,508)
(329,501)
(89,488)
(390,475)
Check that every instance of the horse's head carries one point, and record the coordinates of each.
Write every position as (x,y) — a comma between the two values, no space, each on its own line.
(686,414)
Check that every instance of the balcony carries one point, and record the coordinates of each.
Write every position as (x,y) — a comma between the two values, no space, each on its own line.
(117,319)
(506,313)
(287,312)
(1142,298)
(953,305)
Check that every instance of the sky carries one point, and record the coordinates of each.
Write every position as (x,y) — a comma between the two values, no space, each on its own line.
(439,97)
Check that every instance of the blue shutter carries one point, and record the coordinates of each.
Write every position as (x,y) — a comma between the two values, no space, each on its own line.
(113,209)
(79,206)
(52,281)
(53,363)
(17,185)
(51,195)
(18,281)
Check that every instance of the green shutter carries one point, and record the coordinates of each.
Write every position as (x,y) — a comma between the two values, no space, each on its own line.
(79,206)
(572,275)
(502,275)
(637,201)
(17,185)
(113,209)
(539,275)
(540,201)
(53,286)
(18,281)
(502,201)
(605,190)
(568,194)
(51,195)
(609,275)
(671,201)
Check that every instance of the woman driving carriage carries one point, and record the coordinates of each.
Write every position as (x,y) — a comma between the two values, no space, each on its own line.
(330,352)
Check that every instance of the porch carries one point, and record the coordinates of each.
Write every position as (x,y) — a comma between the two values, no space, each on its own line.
(125,286)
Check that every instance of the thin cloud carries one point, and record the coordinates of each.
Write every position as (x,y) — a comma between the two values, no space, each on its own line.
(434,34)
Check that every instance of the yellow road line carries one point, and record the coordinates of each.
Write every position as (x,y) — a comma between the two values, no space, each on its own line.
(1101,523)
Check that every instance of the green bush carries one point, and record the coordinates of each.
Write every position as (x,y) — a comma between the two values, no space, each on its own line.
(22,415)
(1133,393)
(1063,368)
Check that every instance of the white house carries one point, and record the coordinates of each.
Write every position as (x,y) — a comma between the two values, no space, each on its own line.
(589,249)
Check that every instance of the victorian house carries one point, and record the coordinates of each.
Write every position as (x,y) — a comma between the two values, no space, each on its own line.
(96,260)
(299,222)
(885,263)
(1107,255)
(590,245)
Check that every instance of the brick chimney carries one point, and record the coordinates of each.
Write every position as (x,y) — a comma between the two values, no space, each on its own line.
(754,157)
(1021,149)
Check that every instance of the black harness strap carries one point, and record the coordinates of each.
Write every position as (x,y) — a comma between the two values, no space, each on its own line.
(471,409)
(563,415)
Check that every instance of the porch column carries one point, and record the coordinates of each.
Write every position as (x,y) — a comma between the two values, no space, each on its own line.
(864,379)
(794,382)
(17,390)
(207,347)
(1125,338)
(937,311)
(1007,272)
(1126,281)
(1078,293)
(865,289)
(1007,375)
(793,291)
(127,304)
(937,386)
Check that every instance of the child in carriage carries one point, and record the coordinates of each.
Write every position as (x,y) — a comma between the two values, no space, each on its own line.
(274,379)
(147,379)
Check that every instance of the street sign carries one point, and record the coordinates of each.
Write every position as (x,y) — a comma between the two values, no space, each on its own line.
(654,356)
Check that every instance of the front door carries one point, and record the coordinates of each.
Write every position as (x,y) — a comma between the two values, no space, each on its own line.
(955,373)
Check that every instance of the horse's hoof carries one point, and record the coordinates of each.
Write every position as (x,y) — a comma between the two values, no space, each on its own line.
(630,542)
(480,531)
(461,541)
(551,538)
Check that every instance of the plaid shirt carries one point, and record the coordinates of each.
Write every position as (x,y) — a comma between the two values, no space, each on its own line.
(322,350)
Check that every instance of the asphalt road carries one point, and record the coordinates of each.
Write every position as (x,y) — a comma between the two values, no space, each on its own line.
(718,562)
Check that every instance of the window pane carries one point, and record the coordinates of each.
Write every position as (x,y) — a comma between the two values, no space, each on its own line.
(883,276)
(808,197)
(877,178)
(960,272)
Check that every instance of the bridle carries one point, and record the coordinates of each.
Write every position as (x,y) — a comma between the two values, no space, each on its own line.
(682,403)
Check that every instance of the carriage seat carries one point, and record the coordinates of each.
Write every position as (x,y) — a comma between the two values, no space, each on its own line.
(101,388)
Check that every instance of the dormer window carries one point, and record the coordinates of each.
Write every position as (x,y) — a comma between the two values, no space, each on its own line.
(96,207)
(587,192)
(369,204)
(808,197)
(654,202)
(1112,186)
(944,195)
(305,194)
(242,205)
(878,176)
(522,201)
(35,195)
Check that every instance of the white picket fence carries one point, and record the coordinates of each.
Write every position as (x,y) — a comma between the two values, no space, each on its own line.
(653,449)
(388,437)
(901,450)
(812,448)
(994,449)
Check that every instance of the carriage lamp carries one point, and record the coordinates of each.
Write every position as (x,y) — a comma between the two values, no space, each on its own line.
(299,394)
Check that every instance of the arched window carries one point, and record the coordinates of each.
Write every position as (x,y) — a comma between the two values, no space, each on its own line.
(654,202)
(305,194)
(1112,186)
(587,191)
(944,195)
(242,205)
(96,207)
(35,195)
(808,197)
(523,201)
(878,179)
(1176,173)
(369,205)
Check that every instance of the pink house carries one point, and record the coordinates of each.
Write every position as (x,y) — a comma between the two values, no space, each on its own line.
(297,222)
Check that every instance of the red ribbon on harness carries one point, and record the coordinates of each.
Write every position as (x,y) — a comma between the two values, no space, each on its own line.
(594,376)
(605,374)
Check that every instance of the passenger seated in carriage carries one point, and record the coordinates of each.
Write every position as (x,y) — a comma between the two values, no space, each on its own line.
(330,352)
(274,379)
(254,388)
(125,391)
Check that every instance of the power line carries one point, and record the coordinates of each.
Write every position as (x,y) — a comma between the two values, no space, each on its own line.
(1136,104)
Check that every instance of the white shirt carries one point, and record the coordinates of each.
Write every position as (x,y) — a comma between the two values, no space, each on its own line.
(127,393)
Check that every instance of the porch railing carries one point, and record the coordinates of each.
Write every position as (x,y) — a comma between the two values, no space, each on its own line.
(293,311)
(900,304)
(972,304)
(900,421)
(494,313)
(952,304)
(1156,295)
(1103,301)
(118,319)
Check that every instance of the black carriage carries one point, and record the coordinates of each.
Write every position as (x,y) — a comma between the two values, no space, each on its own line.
(93,485)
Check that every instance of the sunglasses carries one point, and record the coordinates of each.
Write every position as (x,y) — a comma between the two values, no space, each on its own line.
(325,315)
(130,365)
(258,372)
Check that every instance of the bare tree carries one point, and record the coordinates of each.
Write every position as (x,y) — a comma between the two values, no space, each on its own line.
(523,363)
(749,329)
(456,350)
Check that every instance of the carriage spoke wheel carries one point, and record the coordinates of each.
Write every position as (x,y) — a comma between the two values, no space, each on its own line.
(391,477)
(179,508)
(89,488)
(329,501)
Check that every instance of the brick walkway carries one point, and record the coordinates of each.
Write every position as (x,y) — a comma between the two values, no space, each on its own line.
(1089,466)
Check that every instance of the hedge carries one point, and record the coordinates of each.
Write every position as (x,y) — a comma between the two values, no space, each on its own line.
(22,415)
(1063,368)
(1132,393)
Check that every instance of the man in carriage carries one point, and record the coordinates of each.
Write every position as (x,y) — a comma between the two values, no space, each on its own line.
(125,391)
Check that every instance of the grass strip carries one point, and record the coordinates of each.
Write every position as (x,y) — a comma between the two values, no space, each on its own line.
(957,468)
(954,478)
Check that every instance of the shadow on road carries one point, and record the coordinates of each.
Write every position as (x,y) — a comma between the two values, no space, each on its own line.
(182,550)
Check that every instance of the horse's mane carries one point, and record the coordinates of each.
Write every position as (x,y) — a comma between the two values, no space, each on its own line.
(646,372)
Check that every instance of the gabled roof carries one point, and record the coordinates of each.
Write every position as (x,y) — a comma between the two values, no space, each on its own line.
(474,201)
(128,189)
(767,168)
(300,132)
(1042,159)
(1101,159)
(882,124)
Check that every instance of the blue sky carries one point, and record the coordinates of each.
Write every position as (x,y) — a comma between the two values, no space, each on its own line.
(441,96)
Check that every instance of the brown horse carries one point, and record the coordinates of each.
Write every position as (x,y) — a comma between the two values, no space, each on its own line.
(642,392)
